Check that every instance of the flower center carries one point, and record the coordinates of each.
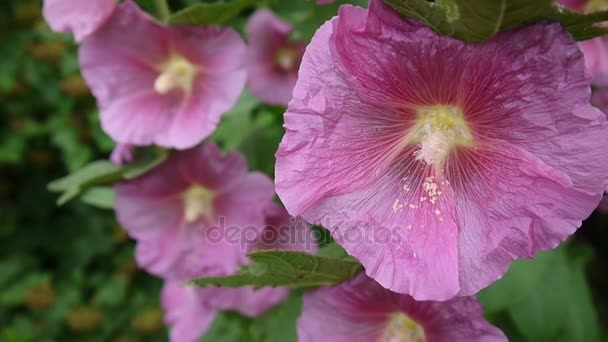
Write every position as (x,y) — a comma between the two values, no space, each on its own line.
(401,328)
(198,202)
(176,73)
(286,58)
(438,130)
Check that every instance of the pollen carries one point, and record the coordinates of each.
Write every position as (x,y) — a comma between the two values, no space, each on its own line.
(401,328)
(198,202)
(176,73)
(437,131)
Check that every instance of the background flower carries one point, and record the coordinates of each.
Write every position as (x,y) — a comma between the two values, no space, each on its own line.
(162,85)
(272,60)
(193,214)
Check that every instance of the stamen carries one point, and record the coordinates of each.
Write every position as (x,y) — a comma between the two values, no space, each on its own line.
(177,73)
(198,202)
(402,328)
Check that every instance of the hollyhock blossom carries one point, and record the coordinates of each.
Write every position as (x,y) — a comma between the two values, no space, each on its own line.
(81,18)
(436,162)
(190,213)
(190,310)
(595,50)
(361,310)
(161,85)
(272,60)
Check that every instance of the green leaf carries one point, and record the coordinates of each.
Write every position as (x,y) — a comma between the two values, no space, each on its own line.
(99,173)
(287,268)
(99,196)
(478,20)
(218,12)
(72,185)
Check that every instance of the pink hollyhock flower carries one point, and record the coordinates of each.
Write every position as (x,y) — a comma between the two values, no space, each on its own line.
(273,60)
(361,310)
(161,85)
(82,18)
(122,154)
(190,310)
(185,313)
(191,214)
(436,162)
(595,50)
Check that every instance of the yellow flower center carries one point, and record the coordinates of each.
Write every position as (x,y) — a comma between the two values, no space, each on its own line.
(198,202)
(401,328)
(176,73)
(286,58)
(438,130)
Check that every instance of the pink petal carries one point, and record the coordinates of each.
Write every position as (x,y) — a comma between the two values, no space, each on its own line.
(187,316)
(82,18)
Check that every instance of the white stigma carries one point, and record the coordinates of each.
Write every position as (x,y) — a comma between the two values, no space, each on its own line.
(198,202)
(177,73)
(435,145)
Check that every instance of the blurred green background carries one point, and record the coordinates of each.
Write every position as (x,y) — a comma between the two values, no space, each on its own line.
(67,273)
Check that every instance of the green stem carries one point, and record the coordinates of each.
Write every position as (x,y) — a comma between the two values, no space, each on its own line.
(162,9)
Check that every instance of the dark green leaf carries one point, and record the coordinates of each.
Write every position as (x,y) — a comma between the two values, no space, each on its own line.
(478,20)
(287,268)
(218,12)
(548,298)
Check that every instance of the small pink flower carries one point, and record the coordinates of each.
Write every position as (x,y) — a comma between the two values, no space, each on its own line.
(190,309)
(79,17)
(191,215)
(273,60)
(363,311)
(436,162)
(122,154)
(161,85)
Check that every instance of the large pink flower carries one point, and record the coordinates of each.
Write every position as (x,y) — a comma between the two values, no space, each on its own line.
(436,162)
(82,18)
(162,85)
(190,310)
(362,311)
(194,214)
(272,60)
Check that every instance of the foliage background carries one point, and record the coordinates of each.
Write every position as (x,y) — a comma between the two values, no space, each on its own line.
(67,273)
